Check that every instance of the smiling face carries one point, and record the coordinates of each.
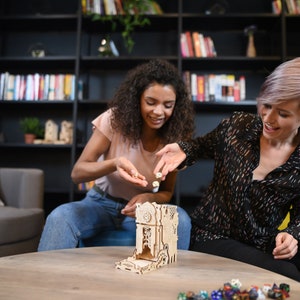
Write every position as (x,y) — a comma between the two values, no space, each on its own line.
(281,121)
(157,105)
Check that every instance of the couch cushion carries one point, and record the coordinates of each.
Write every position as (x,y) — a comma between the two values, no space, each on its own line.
(17,224)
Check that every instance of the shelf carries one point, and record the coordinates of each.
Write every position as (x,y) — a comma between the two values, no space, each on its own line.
(234,63)
(72,40)
(166,21)
(265,21)
(38,64)
(122,62)
(36,102)
(41,22)
(222,106)
(34,146)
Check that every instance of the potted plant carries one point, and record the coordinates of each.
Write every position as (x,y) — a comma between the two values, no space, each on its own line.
(133,16)
(32,129)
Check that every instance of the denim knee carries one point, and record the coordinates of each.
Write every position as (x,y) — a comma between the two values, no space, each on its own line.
(184,229)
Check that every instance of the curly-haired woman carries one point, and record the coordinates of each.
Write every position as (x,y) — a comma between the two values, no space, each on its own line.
(151,108)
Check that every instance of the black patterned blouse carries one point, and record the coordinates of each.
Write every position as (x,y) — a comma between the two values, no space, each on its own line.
(234,205)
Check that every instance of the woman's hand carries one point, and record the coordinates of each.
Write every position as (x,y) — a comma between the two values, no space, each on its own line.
(129,209)
(286,246)
(128,172)
(171,157)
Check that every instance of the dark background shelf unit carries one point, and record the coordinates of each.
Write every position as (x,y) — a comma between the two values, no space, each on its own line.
(71,41)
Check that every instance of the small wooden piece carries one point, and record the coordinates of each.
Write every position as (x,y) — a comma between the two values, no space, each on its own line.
(51,131)
(156,238)
(66,132)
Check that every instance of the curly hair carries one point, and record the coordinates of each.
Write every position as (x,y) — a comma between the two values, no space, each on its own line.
(125,105)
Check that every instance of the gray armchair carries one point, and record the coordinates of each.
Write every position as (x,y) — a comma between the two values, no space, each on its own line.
(22,215)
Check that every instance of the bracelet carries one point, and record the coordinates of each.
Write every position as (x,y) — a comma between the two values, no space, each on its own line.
(187,149)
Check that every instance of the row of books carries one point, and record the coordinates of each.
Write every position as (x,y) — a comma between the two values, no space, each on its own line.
(37,86)
(215,87)
(115,7)
(292,6)
(195,44)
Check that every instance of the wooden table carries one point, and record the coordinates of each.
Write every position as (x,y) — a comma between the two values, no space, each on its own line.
(89,273)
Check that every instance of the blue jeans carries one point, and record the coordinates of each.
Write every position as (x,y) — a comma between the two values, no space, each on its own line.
(69,223)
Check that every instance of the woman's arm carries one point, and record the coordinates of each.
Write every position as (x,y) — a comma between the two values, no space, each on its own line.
(88,168)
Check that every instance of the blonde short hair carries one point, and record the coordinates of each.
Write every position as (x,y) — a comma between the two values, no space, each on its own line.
(282,85)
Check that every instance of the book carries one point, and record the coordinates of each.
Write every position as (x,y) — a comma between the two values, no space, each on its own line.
(22,88)
(29,87)
(200,88)
(36,83)
(186,76)
(211,47)
(41,87)
(10,87)
(67,87)
(236,91)
(276,7)
(183,45)
(110,7)
(3,86)
(211,87)
(119,7)
(17,87)
(290,6)
(194,88)
(51,90)
(196,42)
(46,87)
(189,44)
(297,4)
(242,88)
(230,87)
(202,45)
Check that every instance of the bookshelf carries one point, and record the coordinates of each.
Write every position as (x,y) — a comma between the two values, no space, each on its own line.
(71,41)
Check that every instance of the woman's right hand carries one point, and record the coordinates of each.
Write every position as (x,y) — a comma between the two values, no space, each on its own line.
(171,157)
(128,172)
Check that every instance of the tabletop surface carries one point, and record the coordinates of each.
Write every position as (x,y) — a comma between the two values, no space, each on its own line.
(90,273)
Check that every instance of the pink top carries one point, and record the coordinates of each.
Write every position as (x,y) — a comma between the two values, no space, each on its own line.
(143,160)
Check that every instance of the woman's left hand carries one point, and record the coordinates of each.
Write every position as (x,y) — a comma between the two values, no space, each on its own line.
(128,172)
(129,209)
(286,246)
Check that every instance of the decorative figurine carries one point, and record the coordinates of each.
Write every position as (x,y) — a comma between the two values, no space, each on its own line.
(37,50)
(249,31)
(156,238)
(51,131)
(66,132)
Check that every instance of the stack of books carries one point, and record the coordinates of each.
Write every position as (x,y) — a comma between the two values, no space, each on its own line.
(195,44)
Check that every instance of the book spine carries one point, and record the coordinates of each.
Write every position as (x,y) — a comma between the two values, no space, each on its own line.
(242,88)
(200,88)
(230,87)
(202,45)
(194,88)
(196,42)
(189,43)
(183,44)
